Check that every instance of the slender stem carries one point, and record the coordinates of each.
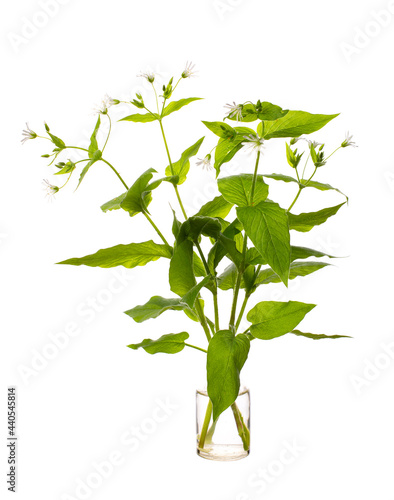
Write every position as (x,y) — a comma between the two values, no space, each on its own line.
(172,170)
(216,306)
(109,132)
(76,147)
(205,425)
(295,199)
(254,178)
(306,163)
(243,430)
(241,312)
(156,229)
(157,100)
(116,172)
(329,156)
(195,347)
(202,257)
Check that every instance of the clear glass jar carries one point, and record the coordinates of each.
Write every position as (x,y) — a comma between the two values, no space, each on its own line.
(229,437)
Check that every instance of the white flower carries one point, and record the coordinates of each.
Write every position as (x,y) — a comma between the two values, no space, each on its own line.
(234,110)
(50,189)
(254,143)
(105,104)
(205,163)
(148,75)
(189,70)
(313,143)
(348,141)
(28,134)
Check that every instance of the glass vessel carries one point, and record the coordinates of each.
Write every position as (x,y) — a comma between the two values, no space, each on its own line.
(228,438)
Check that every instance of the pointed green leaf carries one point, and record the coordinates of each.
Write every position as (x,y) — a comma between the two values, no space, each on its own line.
(296,269)
(67,169)
(218,207)
(96,157)
(182,166)
(132,255)
(281,177)
(236,189)
(304,253)
(93,146)
(176,105)
(181,275)
(114,204)
(56,141)
(140,118)
(138,197)
(226,150)
(220,129)
(155,307)
(319,337)
(169,344)
(321,187)
(267,226)
(190,297)
(272,319)
(294,124)
(306,221)
(226,356)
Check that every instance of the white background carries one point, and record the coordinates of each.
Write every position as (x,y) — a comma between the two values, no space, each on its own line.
(74,410)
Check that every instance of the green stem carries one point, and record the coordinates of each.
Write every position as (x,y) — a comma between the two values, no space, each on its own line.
(109,132)
(216,306)
(243,430)
(241,312)
(195,347)
(116,172)
(205,425)
(156,229)
(295,199)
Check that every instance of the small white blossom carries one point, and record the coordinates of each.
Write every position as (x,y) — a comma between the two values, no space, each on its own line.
(348,141)
(234,111)
(28,134)
(205,163)
(148,75)
(105,104)
(189,70)
(315,144)
(50,189)
(254,143)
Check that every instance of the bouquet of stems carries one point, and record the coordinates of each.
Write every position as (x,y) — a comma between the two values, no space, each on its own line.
(242,226)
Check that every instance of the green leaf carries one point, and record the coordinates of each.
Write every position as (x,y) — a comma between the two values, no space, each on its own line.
(280,177)
(319,337)
(138,198)
(294,124)
(56,141)
(304,253)
(67,169)
(220,129)
(306,221)
(226,150)
(226,245)
(236,189)
(176,225)
(132,255)
(195,226)
(267,226)
(169,344)
(158,305)
(226,356)
(140,118)
(181,275)
(182,166)
(296,269)
(218,207)
(96,157)
(269,111)
(176,105)
(155,307)
(93,146)
(114,204)
(272,319)
(321,187)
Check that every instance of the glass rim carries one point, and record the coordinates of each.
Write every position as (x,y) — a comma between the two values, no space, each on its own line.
(242,390)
